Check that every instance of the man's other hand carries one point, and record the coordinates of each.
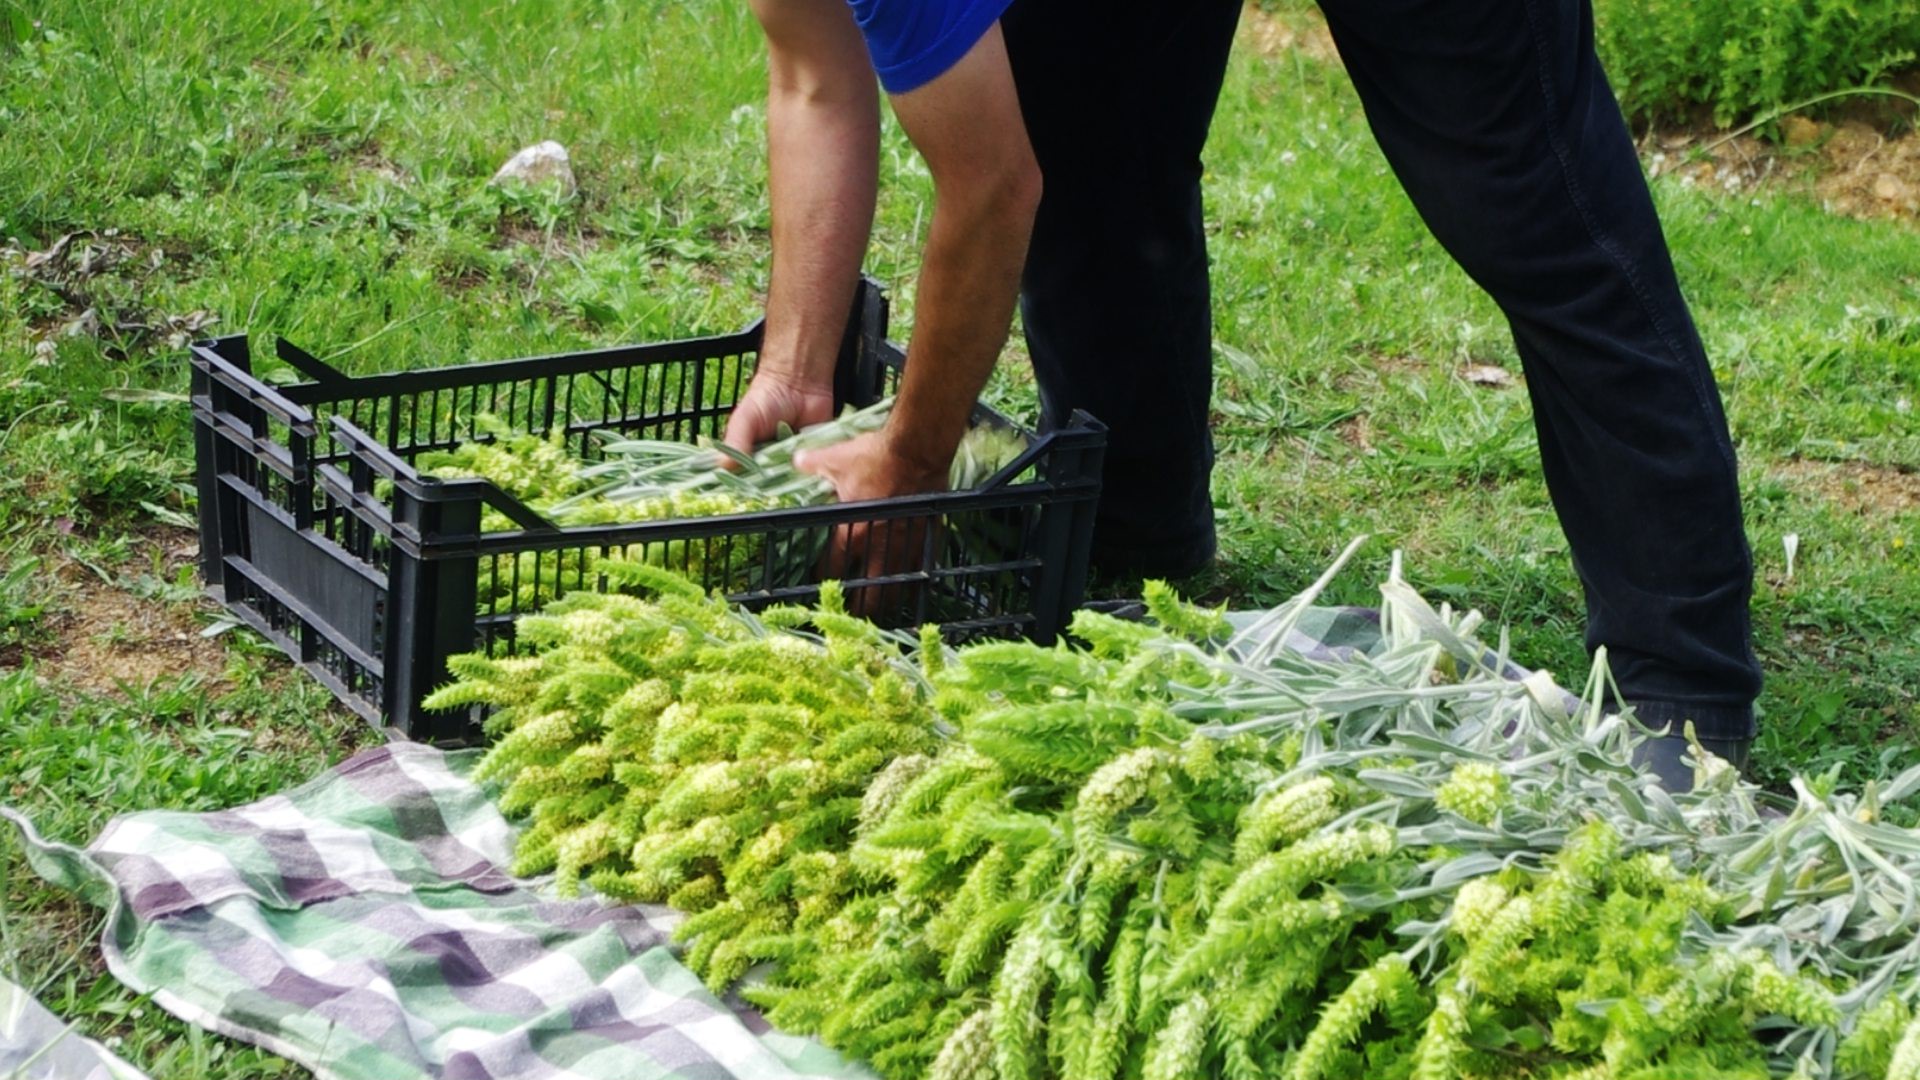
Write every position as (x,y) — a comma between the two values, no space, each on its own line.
(871,467)
(773,399)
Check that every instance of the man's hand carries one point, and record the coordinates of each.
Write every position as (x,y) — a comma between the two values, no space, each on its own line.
(873,467)
(773,399)
(823,143)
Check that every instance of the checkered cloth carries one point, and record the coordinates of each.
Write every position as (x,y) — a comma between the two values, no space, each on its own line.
(1330,634)
(362,925)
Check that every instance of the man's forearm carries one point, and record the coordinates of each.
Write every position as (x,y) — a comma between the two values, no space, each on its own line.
(823,138)
(967,125)
(823,145)
(976,247)
(822,166)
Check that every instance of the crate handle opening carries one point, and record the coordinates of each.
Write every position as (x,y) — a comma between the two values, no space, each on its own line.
(239,379)
(1039,447)
(307,364)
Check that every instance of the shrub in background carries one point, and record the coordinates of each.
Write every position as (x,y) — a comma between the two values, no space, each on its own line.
(1743,56)
(1668,58)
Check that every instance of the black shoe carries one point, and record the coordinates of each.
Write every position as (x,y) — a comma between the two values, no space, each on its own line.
(1666,756)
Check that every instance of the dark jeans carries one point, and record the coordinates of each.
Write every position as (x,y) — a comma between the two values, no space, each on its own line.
(1117,96)
(1499,123)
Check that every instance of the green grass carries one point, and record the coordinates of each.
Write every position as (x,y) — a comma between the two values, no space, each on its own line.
(318,171)
(73,761)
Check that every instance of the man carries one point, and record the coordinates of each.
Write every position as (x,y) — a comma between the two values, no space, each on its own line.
(1498,121)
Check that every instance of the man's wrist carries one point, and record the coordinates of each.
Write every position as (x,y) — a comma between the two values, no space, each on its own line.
(794,378)
(924,457)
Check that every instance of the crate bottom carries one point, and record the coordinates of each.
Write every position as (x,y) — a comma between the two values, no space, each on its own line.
(273,629)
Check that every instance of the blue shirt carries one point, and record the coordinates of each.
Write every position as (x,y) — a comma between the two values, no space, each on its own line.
(914,42)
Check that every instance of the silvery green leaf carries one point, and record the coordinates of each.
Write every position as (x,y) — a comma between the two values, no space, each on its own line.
(1892,914)
(1630,802)
(1410,605)
(1435,744)
(1347,700)
(1364,899)
(743,460)
(1595,761)
(1466,867)
(1666,812)
(1902,787)
(1889,839)
(1833,921)
(1395,783)
(1776,886)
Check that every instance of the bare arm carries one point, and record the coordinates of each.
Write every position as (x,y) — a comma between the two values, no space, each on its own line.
(823,139)
(967,125)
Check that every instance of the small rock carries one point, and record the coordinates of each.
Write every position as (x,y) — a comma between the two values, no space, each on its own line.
(1487,375)
(1891,188)
(541,163)
(86,324)
(1800,131)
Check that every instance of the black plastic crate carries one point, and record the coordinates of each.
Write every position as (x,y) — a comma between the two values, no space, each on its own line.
(316,529)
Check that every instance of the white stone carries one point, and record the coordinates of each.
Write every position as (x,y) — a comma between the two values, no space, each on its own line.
(541,163)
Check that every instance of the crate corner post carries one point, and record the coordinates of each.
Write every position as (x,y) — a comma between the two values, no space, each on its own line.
(860,374)
(431,601)
(217,507)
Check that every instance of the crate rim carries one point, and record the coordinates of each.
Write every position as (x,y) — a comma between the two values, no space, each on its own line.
(326,384)
(539,533)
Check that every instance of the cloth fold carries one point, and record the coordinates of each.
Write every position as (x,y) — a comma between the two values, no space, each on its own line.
(363,925)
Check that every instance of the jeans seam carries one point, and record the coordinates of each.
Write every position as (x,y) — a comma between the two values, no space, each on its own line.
(1556,141)
(1601,239)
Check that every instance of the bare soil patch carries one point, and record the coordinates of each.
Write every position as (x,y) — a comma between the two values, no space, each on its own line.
(1869,490)
(101,637)
(1357,431)
(371,160)
(1273,35)
(1850,166)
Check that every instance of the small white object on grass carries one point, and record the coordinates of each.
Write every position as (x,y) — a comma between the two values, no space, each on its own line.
(542,163)
(1791,542)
